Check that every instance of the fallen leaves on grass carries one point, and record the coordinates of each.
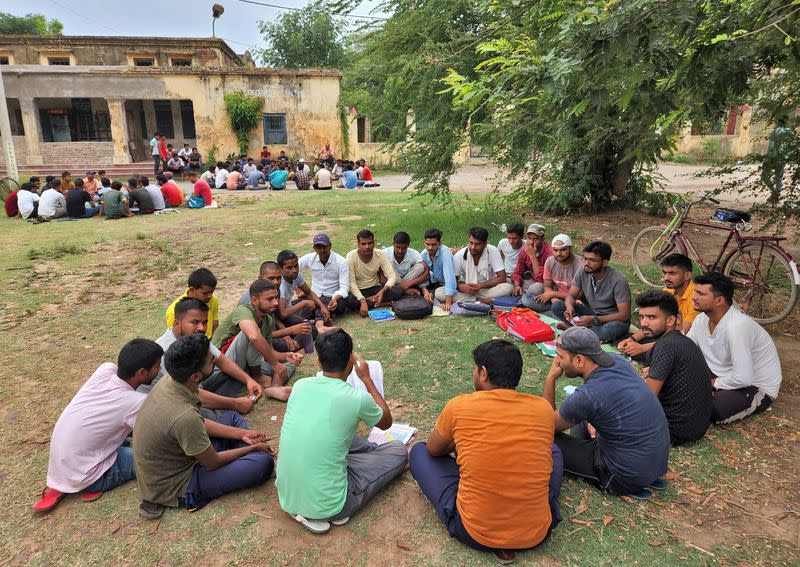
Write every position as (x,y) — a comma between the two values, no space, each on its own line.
(607,520)
(656,543)
(403,545)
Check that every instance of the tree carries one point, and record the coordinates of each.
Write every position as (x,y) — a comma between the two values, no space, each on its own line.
(302,39)
(29,24)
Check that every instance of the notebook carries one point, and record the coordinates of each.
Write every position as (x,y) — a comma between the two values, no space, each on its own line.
(381,315)
(398,431)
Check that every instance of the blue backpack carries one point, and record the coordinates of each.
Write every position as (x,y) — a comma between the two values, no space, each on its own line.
(196,202)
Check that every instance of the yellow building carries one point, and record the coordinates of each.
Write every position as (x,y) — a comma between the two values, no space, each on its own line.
(98,100)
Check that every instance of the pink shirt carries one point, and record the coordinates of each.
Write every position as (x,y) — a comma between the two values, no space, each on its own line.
(233,179)
(86,436)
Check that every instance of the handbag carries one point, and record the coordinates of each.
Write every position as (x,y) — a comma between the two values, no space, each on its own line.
(411,308)
(196,202)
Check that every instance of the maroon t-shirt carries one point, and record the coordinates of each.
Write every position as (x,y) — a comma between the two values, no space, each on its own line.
(12,209)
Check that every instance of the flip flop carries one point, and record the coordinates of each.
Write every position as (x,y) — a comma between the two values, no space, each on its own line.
(508,559)
(658,484)
(91,496)
(49,500)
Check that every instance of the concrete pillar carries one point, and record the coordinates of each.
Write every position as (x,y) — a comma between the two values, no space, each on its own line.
(119,130)
(177,124)
(33,131)
(149,117)
(352,137)
(745,141)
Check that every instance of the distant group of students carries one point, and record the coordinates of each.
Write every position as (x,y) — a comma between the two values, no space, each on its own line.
(493,463)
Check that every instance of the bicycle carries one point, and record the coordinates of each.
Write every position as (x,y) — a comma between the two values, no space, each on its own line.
(7,186)
(764,274)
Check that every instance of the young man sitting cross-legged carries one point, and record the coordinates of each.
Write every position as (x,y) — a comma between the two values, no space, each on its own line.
(226,388)
(500,492)
(88,449)
(182,459)
(619,439)
(245,336)
(326,472)
(301,310)
(366,266)
(410,269)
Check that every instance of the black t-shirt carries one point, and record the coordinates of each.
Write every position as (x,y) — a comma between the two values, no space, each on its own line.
(142,198)
(76,202)
(686,391)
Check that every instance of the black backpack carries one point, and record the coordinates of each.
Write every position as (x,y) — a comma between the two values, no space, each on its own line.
(411,308)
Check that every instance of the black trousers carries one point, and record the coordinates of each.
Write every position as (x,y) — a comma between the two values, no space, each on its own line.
(393,294)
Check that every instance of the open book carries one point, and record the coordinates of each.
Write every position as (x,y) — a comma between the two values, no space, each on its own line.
(398,431)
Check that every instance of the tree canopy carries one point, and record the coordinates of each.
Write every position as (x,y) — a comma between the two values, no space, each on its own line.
(29,24)
(302,39)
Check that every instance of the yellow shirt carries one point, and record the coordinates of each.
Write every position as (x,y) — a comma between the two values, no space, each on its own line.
(213,313)
(365,275)
(685,303)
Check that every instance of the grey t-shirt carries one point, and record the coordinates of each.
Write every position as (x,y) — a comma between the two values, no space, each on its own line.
(604,296)
(287,289)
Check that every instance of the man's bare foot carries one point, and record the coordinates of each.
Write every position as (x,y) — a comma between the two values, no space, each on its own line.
(278,392)
(561,326)
(413,291)
(322,329)
(505,556)
(484,300)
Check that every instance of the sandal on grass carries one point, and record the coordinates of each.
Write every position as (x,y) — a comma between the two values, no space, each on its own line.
(91,496)
(504,556)
(49,500)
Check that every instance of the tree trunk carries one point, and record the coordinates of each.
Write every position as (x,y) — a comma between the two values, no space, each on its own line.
(621,177)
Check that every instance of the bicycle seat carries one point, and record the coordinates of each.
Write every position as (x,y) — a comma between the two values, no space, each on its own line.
(731,216)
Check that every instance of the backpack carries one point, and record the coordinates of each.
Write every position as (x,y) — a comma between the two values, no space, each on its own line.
(469,309)
(411,308)
(196,202)
(506,303)
(525,325)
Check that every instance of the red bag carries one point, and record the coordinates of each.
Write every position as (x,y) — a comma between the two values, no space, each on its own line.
(525,325)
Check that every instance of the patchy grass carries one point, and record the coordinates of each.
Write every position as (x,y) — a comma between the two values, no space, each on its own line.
(79,303)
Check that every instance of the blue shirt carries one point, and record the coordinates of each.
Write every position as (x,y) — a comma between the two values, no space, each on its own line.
(442,271)
(350,180)
(632,431)
(254,178)
(278,178)
(154,146)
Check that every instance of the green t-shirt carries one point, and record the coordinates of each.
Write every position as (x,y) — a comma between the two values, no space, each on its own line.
(112,204)
(229,327)
(321,418)
(168,435)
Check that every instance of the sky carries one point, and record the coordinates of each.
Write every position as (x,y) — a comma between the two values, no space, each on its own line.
(238,25)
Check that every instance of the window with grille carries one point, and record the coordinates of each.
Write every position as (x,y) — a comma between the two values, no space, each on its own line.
(58,60)
(181,62)
(3,60)
(164,123)
(275,129)
(143,61)
(187,118)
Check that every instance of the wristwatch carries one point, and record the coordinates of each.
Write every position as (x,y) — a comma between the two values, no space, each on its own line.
(595,321)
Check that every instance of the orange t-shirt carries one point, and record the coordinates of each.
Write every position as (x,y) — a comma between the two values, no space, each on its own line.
(503,441)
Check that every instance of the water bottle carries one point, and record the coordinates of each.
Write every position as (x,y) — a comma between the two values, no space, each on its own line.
(308,341)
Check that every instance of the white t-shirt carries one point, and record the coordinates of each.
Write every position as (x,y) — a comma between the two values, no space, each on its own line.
(411,259)
(157,196)
(50,201)
(222,178)
(323,177)
(509,255)
(740,353)
(25,201)
(489,264)
(86,436)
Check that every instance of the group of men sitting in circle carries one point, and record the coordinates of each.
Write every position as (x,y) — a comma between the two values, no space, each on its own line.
(493,463)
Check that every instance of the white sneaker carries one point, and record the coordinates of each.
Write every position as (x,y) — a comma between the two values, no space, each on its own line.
(341,521)
(314,526)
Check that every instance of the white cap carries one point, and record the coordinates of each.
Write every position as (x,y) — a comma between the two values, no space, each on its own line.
(561,240)
(301,160)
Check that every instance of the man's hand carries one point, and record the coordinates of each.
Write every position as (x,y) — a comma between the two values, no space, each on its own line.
(631,347)
(307,304)
(412,291)
(592,430)
(243,405)
(362,369)
(252,437)
(291,344)
(448,303)
(517,290)
(254,389)
(469,289)
(585,321)
(264,448)
(363,308)
(427,295)
(294,358)
(326,315)
(332,305)
(569,312)
(300,329)
(545,296)
(377,299)
(555,370)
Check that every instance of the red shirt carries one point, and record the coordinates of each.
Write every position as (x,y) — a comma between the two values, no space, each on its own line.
(204,190)
(12,209)
(172,194)
(367,174)
(162,149)
(524,264)
(265,154)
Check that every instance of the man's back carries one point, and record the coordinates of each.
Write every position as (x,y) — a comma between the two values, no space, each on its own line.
(76,202)
(504,452)
(141,196)
(50,201)
(350,179)
(321,418)
(112,204)
(156,197)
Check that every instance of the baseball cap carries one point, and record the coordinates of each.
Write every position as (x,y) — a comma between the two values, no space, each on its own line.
(322,239)
(561,240)
(536,229)
(580,340)
(168,174)
(90,172)
(301,160)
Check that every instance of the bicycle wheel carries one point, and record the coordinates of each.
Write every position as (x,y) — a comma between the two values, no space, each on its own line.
(7,185)
(764,282)
(649,248)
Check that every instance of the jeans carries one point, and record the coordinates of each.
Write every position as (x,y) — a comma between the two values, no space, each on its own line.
(438,478)
(120,472)
(370,467)
(156,163)
(245,355)
(606,332)
(89,213)
(528,298)
(250,470)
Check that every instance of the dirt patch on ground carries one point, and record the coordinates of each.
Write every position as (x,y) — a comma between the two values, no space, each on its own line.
(309,229)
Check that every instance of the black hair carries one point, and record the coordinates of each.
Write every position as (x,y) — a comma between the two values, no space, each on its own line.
(116,185)
(433,233)
(186,356)
(334,350)
(221,164)
(106,182)
(161,178)
(144,180)
(202,277)
(721,285)
(49,178)
(516,228)
(26,186)
(268,264)
(284,256)
(666,302)
(502,360)
(401,238)
(33,179)
(136,354)
(65,174)
(133,182)
(187,304)
(365,234)
(479,233)
(56,184)
(78,183)
(260,167)
(260,286)
(602,249)
(677,260)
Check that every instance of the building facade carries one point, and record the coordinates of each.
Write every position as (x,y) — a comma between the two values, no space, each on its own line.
(98,100)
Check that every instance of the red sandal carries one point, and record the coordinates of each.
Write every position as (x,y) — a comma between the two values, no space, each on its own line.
(91,496)
(49,500)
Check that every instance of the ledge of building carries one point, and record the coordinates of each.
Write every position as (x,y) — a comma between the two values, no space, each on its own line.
(106,70)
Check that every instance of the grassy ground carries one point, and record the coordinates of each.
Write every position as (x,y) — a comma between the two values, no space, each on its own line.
(74,292)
